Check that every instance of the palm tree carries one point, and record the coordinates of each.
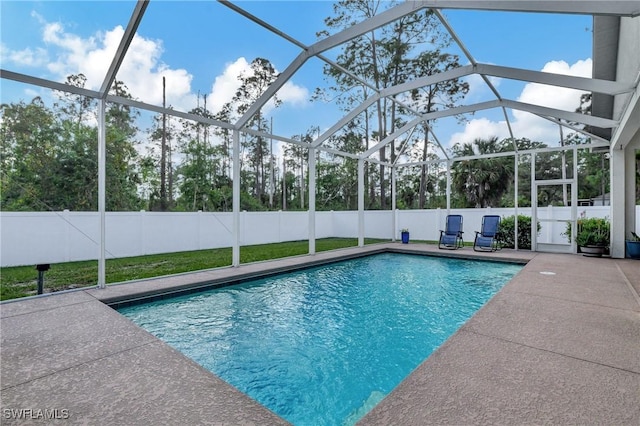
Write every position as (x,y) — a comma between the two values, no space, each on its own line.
(482,181)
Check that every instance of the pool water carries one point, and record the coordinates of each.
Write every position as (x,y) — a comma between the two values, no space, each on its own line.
(322,346)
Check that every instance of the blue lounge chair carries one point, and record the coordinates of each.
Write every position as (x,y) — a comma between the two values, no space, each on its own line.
(487,238)
(451,237)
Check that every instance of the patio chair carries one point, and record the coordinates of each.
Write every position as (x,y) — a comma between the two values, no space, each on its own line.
(451,237)
(487,238)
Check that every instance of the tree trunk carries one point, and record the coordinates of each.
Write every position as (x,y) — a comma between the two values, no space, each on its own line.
(381,122)
(423,171)
(163,153)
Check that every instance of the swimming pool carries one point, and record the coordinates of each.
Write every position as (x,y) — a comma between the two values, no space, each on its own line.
(323,345)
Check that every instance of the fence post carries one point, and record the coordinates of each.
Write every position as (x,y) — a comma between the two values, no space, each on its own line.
(67,235)
(243,228)
(199,229)
(550,224)
(396,222)
(143,230)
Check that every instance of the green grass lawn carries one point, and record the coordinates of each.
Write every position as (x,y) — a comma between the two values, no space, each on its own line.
(21,281)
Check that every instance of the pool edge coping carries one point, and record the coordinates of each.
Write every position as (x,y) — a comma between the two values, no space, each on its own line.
(246,272)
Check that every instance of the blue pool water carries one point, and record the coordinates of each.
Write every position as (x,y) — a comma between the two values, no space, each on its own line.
(323,345)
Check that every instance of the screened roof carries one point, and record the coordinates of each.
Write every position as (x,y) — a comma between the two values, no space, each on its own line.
(200,47)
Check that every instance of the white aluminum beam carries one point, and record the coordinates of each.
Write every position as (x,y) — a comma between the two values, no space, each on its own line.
(276,137)
(365,83)
(127,37)
(294,41)
(337,152)
(346,119)
(507,154)
(235,247)
(579,83)
(361,203)
(564,148)
(428,80)
(575,129)
(394,216)
(312,201)
(262,23)
(280,81)
(572,82)
(590,7)
(366,26)
(435,137)
(534,203)
(464,109)
(466,51)
(425,163)
(534,109)
(516,178)
(629,122)
(358,110)
(102,193)
(48,84)
(330,42)
(168,111)
(376,161)
(506,119)
(392,136)
(299,143)
(565,115)
(448,191)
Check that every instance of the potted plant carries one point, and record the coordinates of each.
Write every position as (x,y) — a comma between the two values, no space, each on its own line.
(592,236)
(633,246)
(404,233)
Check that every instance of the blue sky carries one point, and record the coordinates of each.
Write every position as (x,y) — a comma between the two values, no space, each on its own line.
(200,46)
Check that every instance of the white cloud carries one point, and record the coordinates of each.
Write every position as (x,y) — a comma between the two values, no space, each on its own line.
(226,84)
(64,53)
(478,88)
(553,96)
(141,69)
(524,124)
(294,94)
(480,128)
(26,57)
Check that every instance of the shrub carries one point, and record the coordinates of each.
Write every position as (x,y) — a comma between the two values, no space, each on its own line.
(591,231)
(507,225)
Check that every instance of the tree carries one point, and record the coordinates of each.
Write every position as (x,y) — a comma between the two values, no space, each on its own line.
(433,98)
(253,84)
(296,156)
(28,142)
(482,181)
(49,156)
(593,170)
(387,57)
(122,173)
(524,172)
(161,135)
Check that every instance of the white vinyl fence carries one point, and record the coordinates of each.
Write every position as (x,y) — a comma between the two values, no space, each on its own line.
(30,238)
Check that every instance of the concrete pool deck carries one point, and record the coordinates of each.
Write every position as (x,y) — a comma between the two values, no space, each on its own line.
(559,344)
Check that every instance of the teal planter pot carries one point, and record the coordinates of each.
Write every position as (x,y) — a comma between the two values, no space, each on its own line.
(633,249)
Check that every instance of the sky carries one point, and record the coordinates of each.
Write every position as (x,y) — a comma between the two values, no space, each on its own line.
(201,47)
